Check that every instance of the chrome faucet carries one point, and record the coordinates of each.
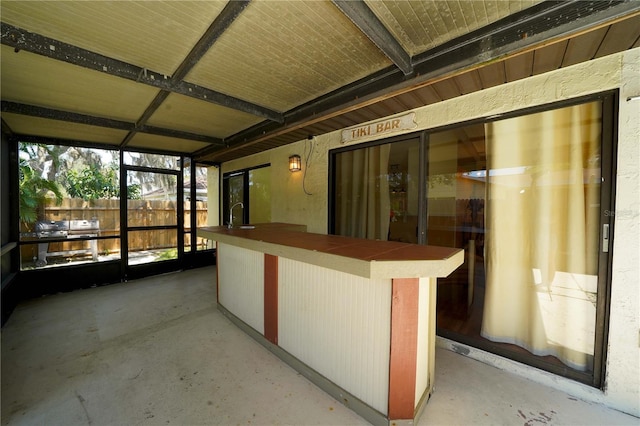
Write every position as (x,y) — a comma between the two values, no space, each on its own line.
(230,225)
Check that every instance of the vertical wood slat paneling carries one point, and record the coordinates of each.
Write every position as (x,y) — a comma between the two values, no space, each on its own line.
(339,325)
(241,283)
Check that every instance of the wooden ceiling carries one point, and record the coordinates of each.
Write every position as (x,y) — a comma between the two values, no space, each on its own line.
(221,80)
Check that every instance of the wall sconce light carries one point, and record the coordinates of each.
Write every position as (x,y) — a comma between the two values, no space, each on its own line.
(295,163)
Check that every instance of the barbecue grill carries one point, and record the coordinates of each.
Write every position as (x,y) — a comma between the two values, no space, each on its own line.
(67,230)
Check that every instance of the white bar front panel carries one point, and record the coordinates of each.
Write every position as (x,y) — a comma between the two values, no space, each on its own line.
(339,325)
(241,283)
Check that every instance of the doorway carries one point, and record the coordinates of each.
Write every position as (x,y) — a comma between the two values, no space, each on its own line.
(246,196)
(153,231)
(525,196)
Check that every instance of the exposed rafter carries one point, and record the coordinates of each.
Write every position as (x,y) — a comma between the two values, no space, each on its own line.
(521,31)
(72,117)
(217,27)
(542,22)
(146,115)
(370,25)
(545,23)
(230,12)
(21,39)
(47,140)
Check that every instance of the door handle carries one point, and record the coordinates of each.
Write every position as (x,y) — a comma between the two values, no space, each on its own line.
(605,238)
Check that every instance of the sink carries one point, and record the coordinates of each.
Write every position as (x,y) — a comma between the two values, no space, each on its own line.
(247,227)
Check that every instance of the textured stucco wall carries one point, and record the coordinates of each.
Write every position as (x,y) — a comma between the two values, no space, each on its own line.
(623,363)
(291,204)
(289,201)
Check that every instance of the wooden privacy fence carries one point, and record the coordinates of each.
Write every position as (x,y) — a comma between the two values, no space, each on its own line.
(139,213)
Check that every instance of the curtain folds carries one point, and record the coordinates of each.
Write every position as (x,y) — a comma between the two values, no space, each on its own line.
(365,204)
(542,223)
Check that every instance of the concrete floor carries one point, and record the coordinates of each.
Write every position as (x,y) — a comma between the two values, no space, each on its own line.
(157,352)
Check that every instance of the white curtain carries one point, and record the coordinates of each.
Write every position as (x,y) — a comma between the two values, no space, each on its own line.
(363,202)
(543,174)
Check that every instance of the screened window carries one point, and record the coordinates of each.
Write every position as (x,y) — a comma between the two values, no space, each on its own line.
(69,196)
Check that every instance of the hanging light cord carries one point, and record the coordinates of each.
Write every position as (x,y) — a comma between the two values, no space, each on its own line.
(306,163)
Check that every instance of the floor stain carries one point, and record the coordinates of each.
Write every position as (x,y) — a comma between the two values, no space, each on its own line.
(84,407)
(537,418)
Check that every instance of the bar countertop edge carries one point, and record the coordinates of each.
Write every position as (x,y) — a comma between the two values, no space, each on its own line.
(373,259)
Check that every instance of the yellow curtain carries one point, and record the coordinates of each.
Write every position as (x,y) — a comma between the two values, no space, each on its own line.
(543,175)
(364,205)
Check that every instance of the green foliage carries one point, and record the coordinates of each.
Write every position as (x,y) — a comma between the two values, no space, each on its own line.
(134,192)
(33,193)
(168,254)
(92,183)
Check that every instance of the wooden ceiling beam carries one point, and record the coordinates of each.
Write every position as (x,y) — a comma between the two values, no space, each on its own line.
(21,39)
(364,18)
(546,22)
(72,117)
(231,11)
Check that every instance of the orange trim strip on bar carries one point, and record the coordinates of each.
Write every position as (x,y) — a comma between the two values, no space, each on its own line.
(271,298)
(404,348)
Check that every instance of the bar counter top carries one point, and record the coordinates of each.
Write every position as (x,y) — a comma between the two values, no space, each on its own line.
(362,257)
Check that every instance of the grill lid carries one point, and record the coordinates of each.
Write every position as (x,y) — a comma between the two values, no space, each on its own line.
(51,226)
(84,225)
(63,228)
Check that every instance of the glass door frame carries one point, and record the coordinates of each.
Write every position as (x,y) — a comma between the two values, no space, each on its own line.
(224,212)
(608,145)
(146,269)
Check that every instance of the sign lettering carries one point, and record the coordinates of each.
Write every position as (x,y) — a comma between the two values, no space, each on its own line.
(406,122)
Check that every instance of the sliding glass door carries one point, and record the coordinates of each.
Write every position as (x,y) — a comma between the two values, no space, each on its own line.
(455,192)
(246,196)
(525,197)
(543,210)
(376,192)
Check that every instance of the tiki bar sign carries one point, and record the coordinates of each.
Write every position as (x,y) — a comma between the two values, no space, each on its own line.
(390,125)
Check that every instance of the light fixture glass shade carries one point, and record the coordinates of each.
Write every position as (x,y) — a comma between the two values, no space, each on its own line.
(295,163)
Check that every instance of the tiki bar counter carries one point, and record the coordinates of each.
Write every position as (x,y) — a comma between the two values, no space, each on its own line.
(354,316)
